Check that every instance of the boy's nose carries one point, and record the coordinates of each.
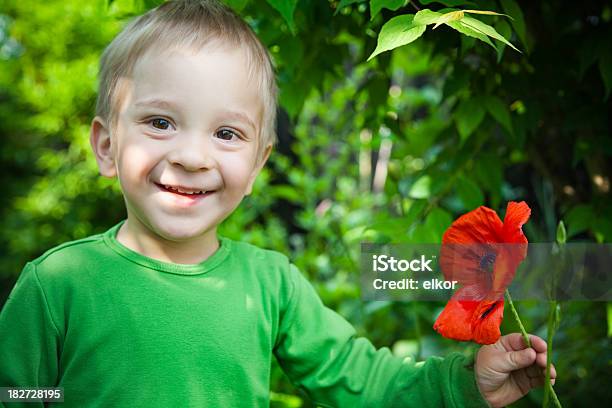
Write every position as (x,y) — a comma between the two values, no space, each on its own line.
(191,156)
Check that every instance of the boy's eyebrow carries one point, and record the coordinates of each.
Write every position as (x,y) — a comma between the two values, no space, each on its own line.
(239,116)
(158,103)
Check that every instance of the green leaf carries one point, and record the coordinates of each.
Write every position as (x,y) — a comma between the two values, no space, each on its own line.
(469,193)
(149,4)
(512,8)
(500,112)
(124,8)
(237,5)
(605,68)
(437,222)
(292,97)
(487,12)
(468,115)
(345,3)
(463,29)
(286,192)
(421,188)
(602,230)
(579,219)
(390,226)
(432,17)
(431,231)
(414,212)
(286,8)
(426,17)
(489,172)
(396,32)
(486,29)
(377,5)
(448,3)
(458,80)
(561,233)
(448,17)
(505,30)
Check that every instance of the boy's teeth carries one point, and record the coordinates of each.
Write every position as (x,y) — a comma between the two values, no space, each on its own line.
(184,191)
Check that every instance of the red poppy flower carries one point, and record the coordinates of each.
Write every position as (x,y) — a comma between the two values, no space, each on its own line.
(482,254)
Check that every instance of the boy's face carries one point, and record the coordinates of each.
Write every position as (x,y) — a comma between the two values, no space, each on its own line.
(188,123)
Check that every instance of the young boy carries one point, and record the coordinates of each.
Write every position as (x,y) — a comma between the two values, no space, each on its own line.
(160,311)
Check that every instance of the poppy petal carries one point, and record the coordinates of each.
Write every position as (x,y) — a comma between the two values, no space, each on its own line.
(507,260)
(516,216)
(478,226)
(455,321)
(464,263)
(486,321)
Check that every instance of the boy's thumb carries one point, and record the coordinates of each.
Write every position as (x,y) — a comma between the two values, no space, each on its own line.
(515,360)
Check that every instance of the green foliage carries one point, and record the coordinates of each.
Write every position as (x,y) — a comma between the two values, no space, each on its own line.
(389,136)
(237,5)
(512,9)
(377,5)
(398,31)
(342,4)
(404,29)
(468,116)
(499,111)
(286,8)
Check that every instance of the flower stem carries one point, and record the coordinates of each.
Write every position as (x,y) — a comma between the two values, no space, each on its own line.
(518,320)
(555,399)
(549,392)
(549,333)
(550,389)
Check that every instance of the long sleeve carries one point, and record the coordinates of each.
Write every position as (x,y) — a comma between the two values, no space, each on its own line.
(321,354)
(29,343)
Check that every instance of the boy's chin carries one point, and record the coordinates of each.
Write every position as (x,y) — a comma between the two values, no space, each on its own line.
(182,231)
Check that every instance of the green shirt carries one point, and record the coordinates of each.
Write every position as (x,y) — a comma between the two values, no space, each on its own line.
(118,329)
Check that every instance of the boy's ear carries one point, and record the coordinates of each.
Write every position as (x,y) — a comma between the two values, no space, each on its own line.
(258,168)
(100,140)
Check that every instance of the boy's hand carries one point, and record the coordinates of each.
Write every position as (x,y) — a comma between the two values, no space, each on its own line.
(507,370)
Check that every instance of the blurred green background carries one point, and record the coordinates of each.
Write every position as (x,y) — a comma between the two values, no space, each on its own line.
(389,150)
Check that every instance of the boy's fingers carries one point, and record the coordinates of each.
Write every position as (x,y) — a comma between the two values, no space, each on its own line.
(541,361)
(553,372)
(514,360)
(539,382)
(536,382)
(537,378)
(534,371)
(537,343)
(513,341)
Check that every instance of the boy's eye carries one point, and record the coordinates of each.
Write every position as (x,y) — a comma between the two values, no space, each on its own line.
(226,134)
(160,123)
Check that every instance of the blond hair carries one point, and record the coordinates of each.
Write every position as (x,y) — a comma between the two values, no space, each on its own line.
(190,24)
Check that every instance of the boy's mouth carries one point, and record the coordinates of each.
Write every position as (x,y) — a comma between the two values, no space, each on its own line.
(184,191)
